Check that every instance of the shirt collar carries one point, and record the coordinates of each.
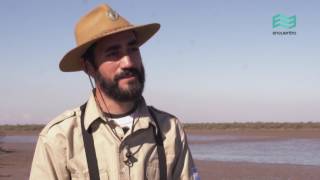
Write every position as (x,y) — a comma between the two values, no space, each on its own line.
(92,112)
(141,120)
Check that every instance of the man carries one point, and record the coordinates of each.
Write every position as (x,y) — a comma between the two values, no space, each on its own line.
(114,135)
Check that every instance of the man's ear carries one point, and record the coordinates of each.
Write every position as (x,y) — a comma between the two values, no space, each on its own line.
(87,67)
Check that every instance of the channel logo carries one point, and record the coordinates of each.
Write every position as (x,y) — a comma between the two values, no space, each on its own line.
(287,22)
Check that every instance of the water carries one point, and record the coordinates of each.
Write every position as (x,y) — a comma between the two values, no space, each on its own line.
(19,139)
(239,149)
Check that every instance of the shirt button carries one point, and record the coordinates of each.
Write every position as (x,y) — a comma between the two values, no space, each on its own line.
(69,113)
(123,170)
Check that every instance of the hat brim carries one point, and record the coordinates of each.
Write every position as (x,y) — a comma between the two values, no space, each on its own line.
(71,61)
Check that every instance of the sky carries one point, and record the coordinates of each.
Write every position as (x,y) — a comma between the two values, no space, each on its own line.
(211,61)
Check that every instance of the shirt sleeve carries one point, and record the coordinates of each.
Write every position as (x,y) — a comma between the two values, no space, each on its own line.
(49,161)
(185,168)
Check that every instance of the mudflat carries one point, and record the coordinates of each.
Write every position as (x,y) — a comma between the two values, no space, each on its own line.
(15,163)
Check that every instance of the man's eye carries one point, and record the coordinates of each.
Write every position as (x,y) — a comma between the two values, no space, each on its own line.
(112,54)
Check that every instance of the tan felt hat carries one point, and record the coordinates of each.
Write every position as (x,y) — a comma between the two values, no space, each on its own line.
(99,23)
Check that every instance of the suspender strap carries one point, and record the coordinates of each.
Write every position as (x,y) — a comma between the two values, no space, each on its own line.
(89,148)
(161,153)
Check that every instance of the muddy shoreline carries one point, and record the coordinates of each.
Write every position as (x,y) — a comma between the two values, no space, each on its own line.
(16,165)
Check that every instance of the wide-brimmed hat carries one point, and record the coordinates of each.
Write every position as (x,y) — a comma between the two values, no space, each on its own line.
(100,23)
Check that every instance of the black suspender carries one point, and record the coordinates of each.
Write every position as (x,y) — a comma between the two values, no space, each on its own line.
(89,148)
(160,148)
(91,153)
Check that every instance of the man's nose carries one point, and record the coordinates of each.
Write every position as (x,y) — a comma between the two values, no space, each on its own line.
(127,61)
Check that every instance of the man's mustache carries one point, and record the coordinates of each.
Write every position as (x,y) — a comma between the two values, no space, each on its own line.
(127,73)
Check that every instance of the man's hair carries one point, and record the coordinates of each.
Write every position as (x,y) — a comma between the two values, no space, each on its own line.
(89,56)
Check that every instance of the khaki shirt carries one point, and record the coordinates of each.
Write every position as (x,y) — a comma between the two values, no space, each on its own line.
(60,152)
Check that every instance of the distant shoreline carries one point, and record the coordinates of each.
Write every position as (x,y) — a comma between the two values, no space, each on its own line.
(33,129)
(218,128)
(254,125)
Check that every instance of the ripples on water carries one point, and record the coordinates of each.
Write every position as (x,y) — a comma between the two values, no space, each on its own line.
(239,149)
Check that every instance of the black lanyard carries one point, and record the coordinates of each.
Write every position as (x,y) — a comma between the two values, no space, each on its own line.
(91,153)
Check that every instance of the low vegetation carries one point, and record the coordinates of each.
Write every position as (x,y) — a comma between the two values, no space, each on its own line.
(25,127)
(199,126)
(254,125)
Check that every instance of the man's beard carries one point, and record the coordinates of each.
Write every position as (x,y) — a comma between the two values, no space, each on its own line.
(134,90)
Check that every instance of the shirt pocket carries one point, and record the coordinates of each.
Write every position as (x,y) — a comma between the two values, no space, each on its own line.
(85,175)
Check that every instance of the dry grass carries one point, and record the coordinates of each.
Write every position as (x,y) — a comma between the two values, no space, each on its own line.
(19,127)
(199,126)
